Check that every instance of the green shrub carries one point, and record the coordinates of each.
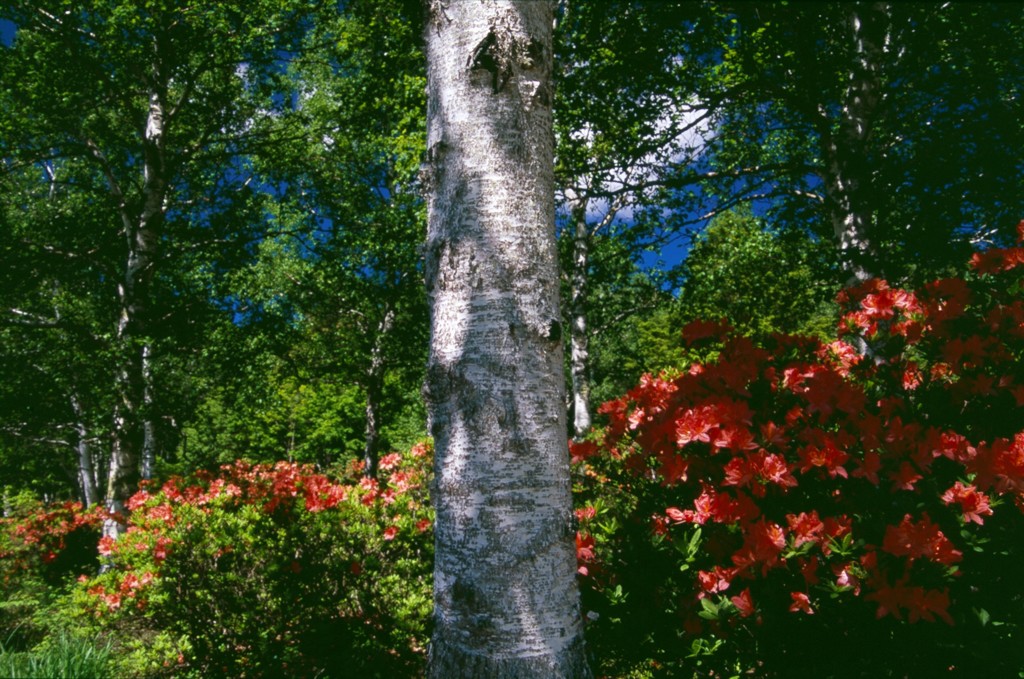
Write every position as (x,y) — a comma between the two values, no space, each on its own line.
(271,570)
(42,548)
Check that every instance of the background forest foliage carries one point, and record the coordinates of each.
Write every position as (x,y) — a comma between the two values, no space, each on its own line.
(210,228)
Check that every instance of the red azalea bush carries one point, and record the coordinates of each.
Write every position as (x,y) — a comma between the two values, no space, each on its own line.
(49,541)
(266,570)
(802,509)
(41,547)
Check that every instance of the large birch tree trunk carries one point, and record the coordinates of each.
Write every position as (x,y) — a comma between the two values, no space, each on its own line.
(505,597)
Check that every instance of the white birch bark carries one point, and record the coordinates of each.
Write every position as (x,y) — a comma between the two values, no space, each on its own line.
(374,395)
(848,173)
(149,441)
(86,474)
(142,232)
(580,328)
(506,603)
(579,333)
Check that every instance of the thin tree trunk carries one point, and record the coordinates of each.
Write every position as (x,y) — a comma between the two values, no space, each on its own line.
(149,440)
(505,597)
(86,473)
(374,395)
(579,337)
(142,235)
(848,169)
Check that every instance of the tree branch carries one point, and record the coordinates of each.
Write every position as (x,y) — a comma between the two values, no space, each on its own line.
(32,320)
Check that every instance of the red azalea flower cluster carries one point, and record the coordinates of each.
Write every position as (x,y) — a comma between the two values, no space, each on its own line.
(36,539)
(841,472)
(281,490)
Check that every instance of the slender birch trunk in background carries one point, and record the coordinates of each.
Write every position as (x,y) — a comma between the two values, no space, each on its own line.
(375,395)
(580,328)
(848,167)
(142,235)
(86,472)
(149,440)
(579,337)
(505,596)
